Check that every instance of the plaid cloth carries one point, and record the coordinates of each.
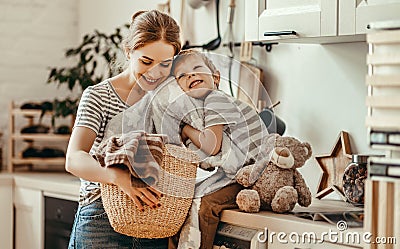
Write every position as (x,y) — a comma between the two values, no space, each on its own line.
(137,151)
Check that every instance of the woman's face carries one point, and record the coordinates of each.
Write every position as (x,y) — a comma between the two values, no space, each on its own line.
(150,65)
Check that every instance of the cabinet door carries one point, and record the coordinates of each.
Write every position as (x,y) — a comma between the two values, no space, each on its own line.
(29,217)
(308,18)
(6,214)
(355,15)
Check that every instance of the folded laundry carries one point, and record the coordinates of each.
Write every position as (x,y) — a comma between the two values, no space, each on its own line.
(44,106)
(42,153)
(31,152)
(31,105)
(138,151)
(39,128)
(52,152)
(63,129)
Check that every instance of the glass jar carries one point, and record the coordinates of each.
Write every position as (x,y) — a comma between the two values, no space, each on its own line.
(354,179)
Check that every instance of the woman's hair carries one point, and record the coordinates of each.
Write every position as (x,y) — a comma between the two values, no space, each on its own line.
(151,26)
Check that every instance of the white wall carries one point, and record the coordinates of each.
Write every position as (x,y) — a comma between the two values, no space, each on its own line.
(33,36)
(107,15)
(321,87)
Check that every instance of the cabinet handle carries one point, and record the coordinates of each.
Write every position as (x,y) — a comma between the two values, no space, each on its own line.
(279,33)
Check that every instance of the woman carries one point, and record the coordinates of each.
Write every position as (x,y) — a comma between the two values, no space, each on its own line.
(152,42)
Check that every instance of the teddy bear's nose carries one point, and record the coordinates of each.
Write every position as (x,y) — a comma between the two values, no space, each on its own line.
(283,152)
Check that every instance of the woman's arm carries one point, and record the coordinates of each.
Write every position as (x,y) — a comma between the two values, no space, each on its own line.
(208,140)
(81,164)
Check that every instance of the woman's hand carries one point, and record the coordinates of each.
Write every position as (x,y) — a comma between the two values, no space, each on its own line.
(149,196)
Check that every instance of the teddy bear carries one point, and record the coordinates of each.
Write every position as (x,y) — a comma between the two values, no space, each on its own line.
(274,183)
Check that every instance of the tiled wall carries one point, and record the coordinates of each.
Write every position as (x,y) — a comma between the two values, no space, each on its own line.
(33,36)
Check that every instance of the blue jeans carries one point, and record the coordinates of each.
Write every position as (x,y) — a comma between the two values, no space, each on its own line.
(92,229)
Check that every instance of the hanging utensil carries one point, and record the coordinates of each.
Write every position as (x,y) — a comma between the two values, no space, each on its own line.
(165,7)
(229,43)
(246,51)
(213,44)
(195,4)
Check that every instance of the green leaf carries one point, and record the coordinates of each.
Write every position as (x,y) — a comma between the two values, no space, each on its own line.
(96,48)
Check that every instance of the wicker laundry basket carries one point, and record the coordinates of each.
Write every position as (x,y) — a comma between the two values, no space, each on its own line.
(176,182)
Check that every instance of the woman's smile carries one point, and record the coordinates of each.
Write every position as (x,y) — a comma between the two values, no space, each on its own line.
(150,81)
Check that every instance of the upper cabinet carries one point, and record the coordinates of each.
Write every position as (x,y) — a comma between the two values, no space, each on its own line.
(281,19)
(319,21)
(355,15)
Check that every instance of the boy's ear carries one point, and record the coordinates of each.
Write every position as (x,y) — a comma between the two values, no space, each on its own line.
(217,78)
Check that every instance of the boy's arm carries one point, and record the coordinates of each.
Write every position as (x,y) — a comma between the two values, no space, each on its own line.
(208,140)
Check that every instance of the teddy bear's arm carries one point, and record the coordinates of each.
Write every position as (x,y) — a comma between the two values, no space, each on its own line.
(302,189)
(243,176)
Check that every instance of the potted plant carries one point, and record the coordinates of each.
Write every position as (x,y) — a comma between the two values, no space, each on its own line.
(96,50)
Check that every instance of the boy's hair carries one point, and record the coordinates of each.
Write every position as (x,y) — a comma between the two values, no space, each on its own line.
(190,52)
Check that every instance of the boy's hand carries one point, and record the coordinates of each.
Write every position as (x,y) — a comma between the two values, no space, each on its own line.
(184,133)
(208,140)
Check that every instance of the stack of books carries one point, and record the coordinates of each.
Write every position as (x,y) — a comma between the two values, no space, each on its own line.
(383,100)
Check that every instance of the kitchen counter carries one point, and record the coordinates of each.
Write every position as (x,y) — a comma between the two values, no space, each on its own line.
(259,220)
(286,225)
(66,186)
(59,185)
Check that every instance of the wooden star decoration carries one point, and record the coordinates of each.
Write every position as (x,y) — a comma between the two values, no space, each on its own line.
(333,166)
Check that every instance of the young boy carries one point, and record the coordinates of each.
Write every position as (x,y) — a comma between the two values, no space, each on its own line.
(199,78)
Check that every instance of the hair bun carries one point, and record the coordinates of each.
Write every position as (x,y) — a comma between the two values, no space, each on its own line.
(137,14)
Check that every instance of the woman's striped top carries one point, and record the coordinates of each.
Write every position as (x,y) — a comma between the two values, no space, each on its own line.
(97,106)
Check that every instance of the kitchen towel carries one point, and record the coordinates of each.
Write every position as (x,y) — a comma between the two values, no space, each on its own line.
(138,151)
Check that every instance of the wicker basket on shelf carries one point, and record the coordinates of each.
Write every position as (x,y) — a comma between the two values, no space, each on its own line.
(176,181)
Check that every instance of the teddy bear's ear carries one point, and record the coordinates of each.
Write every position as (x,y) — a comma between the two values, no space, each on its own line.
(308,149)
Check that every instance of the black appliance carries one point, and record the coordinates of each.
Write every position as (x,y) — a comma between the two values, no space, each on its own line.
(231,236)
(59,218)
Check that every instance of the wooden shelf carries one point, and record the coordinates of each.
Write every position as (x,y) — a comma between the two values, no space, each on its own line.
(392,102)
(26,112)
(388,59)
(383,80)
(15,137)
(43,161)
(41,137)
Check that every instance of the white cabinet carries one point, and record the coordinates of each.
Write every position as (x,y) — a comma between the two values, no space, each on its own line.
(315,21)
(279,19)
(6,214)
(29,218)
(355,15)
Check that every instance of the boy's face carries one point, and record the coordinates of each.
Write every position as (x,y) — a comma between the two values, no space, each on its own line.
(194,76)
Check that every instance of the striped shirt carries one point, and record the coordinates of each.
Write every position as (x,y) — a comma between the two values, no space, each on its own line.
(245,130)
(97,106)
(242,123)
